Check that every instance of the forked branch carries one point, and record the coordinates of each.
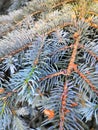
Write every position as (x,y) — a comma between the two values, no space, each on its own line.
(74,53)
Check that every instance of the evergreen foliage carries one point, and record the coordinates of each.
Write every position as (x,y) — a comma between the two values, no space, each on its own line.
(49,65)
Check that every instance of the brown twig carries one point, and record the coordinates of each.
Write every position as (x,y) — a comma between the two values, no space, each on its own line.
(54,75)
(63,110)
(16,51)
(57,27)
(74,53)
(63,2)
(62,49)
(86,80)
(89,51)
